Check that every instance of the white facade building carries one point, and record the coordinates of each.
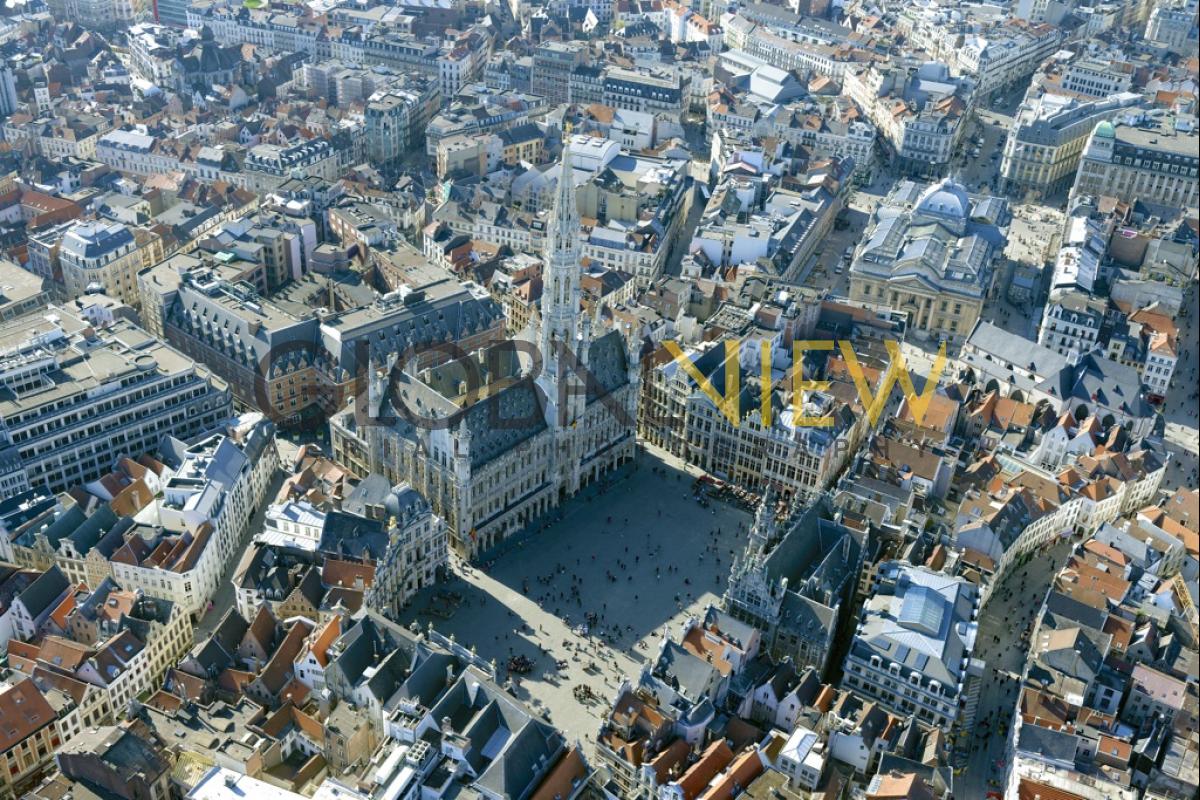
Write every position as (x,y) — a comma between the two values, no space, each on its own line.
(802,759)
(913,650)
(82,396)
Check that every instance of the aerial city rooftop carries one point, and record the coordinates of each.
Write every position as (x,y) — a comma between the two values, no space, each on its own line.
(599,400)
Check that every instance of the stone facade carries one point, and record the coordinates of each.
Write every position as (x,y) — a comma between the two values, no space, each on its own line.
(497,439)
(792,584)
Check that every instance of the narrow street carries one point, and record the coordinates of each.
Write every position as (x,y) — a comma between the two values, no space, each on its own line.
(1004,624)
(225,597)
(683,238)
(1182,409)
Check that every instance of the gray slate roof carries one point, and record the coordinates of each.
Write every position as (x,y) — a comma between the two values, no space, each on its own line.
(38,596)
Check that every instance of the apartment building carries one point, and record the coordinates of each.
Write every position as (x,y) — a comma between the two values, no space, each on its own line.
(111,613)
(462,59)
(22,292)
(70,137)
(267,166)
(134,153)
(478,110)
(791,42)
(1153,157)
(1084,244)
(282,243)
(995,52)
(1154,698)
(1173,26)
(396,117)
(44,248)
(1071,323)
(76,396)
(521,143)
(466,156)
(29,735)
(1148,340)
(1046,140)
(1002,56)
(121,762)
(1096,77)
(262,27)
(388,48)
(553,62)
(784,231)
(184,567)
(913,649)
(505,72)
(175,533)
(828,127)
(646,91)
(119,641)
(104,255)
(920,111)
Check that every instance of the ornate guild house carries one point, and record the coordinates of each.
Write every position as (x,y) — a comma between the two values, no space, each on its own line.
(497,438)
(793,580)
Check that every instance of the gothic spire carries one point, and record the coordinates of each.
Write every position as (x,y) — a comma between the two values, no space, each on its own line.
(564,230)
(764,527)
(561,269)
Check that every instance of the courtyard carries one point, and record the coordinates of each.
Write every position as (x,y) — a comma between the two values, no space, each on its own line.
(638,551)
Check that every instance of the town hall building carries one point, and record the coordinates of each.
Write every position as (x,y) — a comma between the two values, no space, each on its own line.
(497,438)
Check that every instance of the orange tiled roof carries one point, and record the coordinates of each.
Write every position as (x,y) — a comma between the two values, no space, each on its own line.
(745,769)
(63,610)
(938,414)
(1030,789)
(23,712)
(63,653)
(669,759)
(563,777)
(1158,516)
(1106,552)
(348,574)
(716,758)
(699,643)
(901,786)
(327,636)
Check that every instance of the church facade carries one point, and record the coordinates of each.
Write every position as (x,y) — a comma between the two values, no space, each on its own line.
(496,439)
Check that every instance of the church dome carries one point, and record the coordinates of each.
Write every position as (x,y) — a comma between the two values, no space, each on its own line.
(945,199)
